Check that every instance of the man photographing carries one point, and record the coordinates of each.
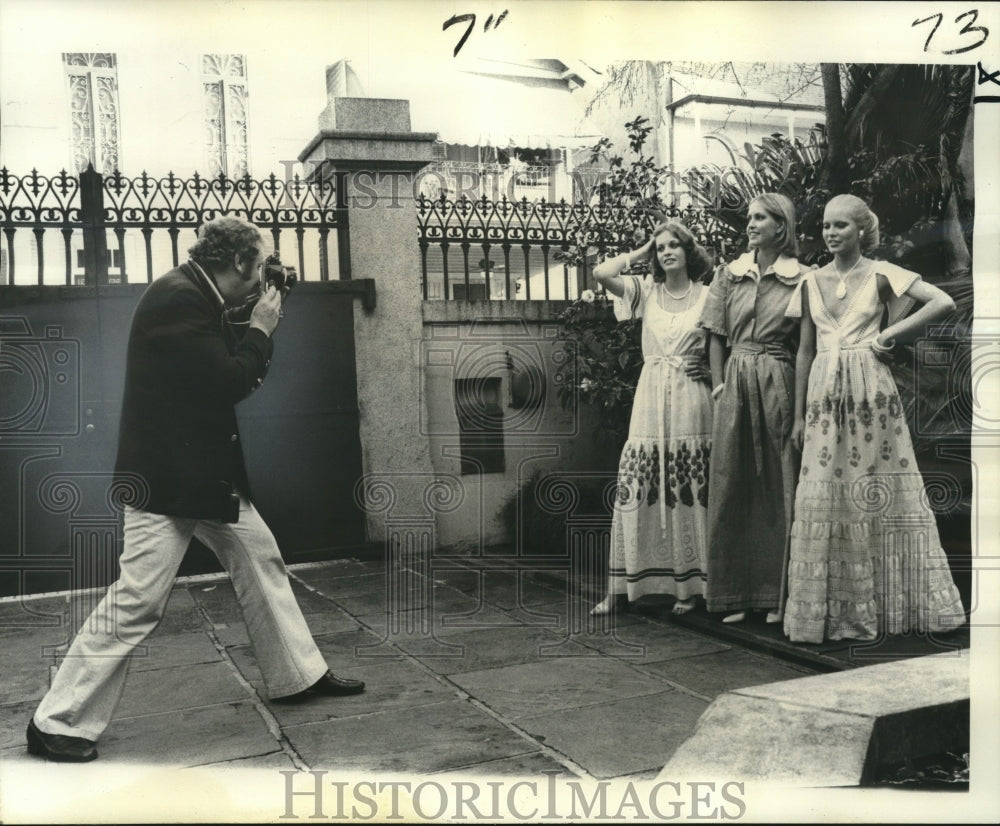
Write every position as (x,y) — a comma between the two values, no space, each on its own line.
(189,362)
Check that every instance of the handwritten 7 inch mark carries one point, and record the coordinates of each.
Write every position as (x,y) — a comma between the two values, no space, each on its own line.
(471,20)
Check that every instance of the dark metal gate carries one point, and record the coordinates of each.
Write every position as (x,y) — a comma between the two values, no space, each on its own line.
(62,366)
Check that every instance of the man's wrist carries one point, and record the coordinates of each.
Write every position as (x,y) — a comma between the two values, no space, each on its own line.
(256,325)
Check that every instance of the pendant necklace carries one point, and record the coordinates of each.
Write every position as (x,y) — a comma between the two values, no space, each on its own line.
(842,286)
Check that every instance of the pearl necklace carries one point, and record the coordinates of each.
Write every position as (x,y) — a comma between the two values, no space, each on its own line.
(842,286)
(681,297)
(672,326)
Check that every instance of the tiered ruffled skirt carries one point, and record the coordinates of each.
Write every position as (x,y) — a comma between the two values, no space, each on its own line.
(865,553)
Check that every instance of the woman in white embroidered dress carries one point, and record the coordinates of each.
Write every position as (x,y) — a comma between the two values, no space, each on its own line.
(865,553)
(659,526)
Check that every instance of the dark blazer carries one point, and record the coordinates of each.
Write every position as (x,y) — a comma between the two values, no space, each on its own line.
(186,369)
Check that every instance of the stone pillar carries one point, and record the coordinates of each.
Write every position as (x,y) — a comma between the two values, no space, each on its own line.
(367,146)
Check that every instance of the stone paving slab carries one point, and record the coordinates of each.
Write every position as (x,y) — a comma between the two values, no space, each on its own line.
(34,614)
(231,633)
(658,643)
(460,616)
(388,686)
(537,614)
(189,737)
(275,760)
(331,621)
(14,721)
(523,765)
(335,568)
(218,601)
(445,599)
(365,603)
(548,615)
(712,674)
(309,600)
(623,737)
(25,667)
(168,650)
(333,586)
(431,738)
(500,588)
(460,578)
(564,682)
(184,686)
(354,648)
(182,614)
(342,651)
(488,648)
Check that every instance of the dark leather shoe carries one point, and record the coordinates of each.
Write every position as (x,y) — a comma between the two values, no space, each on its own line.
(329,685)
(59,747)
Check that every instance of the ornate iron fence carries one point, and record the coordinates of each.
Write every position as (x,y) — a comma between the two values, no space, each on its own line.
(540,250)
(92,204)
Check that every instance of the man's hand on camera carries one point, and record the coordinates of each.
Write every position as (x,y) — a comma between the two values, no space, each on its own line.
(266,314)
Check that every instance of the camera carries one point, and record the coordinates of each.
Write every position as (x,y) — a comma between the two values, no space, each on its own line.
(278,276)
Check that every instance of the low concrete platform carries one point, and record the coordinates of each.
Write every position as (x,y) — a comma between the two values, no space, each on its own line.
(833,729)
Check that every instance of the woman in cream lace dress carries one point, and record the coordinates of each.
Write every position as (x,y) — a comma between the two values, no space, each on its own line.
(865,554)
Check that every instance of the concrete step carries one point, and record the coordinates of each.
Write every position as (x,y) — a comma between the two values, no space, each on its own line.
(830,730)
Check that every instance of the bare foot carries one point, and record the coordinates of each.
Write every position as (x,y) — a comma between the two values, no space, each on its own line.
(682,606)
(605,606)
(773,616)
(737,617)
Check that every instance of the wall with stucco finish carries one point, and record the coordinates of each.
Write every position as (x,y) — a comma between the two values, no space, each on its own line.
(482,340)
(410,352)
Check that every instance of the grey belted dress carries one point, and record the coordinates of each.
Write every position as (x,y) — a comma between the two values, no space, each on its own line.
(754,465)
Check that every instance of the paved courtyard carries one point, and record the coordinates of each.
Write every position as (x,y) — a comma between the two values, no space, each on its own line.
(475,671)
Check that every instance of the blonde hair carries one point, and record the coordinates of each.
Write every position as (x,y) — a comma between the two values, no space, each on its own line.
(859,212)
(781,208)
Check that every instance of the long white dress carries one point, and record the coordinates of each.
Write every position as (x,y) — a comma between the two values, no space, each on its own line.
(659,527)
(865,553)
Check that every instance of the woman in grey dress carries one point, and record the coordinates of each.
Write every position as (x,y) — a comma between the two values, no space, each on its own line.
(754,465)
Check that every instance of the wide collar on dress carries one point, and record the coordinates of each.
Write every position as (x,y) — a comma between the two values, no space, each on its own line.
(785,268)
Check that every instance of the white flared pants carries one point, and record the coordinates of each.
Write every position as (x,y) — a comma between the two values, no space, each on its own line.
(89,683)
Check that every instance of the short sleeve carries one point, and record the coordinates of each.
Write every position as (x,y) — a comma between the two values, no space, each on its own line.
(794,309)
(900,281)
(713,314)
(629,306)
